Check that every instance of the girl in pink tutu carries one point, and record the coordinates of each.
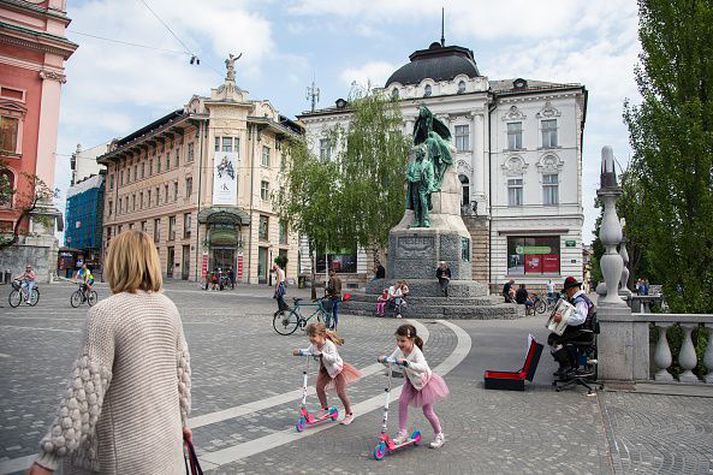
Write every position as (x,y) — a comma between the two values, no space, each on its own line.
(422,387)
(333,371)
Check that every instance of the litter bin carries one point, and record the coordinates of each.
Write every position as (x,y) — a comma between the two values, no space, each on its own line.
(301,282)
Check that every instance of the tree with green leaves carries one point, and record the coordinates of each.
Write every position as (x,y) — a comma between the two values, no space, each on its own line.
(671,134)
(307,197)
(372,152)
(354,198)
(26,201)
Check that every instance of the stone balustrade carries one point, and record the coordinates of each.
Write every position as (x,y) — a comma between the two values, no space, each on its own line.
(687,357)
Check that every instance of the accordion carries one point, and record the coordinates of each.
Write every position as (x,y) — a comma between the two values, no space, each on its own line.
(566,310)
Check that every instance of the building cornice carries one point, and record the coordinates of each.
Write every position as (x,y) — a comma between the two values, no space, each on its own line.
(36,40)
(24,6)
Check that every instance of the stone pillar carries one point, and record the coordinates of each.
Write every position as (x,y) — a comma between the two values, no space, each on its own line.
(623,344)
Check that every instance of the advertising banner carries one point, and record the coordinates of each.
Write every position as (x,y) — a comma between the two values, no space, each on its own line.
(225,179)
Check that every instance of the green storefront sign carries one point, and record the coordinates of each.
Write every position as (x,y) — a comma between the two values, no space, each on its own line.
(533,250)
(570,243)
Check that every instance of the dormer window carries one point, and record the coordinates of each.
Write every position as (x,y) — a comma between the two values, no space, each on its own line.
(427,91)
(461,87)
(519,83)
(395,94)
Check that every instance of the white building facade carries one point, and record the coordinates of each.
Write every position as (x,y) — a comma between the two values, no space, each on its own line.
(519,160)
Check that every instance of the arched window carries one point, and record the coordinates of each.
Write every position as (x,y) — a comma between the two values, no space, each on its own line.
(465,187)
(395,93)
(7,184)
(461,87)
(427,91)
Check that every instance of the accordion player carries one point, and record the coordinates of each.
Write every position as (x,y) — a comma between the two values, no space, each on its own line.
(565,310)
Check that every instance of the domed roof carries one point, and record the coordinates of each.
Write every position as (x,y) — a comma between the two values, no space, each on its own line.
(440,63)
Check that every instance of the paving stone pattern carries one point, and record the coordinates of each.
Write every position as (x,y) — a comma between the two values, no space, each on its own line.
(237,358)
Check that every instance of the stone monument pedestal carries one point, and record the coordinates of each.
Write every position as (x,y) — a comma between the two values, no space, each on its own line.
(414,253)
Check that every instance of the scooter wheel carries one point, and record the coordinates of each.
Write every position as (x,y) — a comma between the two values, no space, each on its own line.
(301,423)
(380,451)
(334,413)
(416,437)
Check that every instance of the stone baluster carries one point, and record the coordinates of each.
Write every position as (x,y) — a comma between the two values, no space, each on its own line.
(708,356)
(610,231)
(624,253)
(662,354)
(687,357)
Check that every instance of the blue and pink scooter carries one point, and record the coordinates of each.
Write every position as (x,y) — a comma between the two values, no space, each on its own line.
(306,418)
(386,444)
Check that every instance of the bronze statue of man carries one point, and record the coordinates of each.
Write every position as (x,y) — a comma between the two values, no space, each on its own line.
(435,134)
(421,183)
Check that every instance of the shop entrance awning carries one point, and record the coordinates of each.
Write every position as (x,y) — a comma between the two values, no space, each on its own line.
(224,215)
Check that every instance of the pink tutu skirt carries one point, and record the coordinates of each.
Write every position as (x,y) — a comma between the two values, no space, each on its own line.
(348,375)
(434,391)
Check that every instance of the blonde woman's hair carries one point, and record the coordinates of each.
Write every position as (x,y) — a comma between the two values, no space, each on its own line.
(132,263)
(314,329)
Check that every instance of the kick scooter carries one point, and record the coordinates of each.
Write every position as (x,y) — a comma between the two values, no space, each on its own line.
(386,444)
(306,419)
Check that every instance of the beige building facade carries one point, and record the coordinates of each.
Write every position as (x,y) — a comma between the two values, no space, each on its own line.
(200,181)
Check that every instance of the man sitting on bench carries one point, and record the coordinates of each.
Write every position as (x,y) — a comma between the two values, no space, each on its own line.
(580,320)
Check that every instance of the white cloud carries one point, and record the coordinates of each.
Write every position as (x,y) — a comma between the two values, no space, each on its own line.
(375,73)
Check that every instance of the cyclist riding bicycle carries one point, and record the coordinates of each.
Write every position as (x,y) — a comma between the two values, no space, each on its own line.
(85,274)
(28,281)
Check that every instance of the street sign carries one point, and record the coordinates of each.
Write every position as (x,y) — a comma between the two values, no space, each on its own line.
(533,250)
(570,243)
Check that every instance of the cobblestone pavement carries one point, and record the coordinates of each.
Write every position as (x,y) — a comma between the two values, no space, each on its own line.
(238,359)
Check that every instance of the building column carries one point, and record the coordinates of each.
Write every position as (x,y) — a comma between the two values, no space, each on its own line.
(49,120)
(479,179)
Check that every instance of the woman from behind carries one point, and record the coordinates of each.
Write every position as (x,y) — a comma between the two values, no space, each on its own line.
(127,404)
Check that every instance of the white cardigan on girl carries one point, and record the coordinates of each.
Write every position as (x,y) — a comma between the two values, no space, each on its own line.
(330,357)
(417,371)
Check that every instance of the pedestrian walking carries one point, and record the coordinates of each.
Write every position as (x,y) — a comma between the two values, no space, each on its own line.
(334,291)
(126,408)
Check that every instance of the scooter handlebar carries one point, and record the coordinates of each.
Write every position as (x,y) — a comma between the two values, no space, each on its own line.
(388,360)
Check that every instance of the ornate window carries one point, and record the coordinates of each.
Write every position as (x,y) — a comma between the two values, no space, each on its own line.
(283,232)
(550,189)
(395,94)
(265,156)
(263,228)
(465,188)
(187,225)
(514,191)
(265,190)
(157,230)
(9,132)
(189,186)
(427,91)
(549,133)
(462,138)
(461,87)
(325,149)
(514,135)
(190,152)
(7,184)
(171,228)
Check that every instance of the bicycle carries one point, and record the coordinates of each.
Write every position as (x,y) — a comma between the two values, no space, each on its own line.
(83,294)
(18,294)
(539,305)
(286,322)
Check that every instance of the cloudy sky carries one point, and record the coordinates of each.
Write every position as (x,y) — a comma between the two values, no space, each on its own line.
(115,88)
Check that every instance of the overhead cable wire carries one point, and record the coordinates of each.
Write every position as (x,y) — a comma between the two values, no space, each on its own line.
(127,43)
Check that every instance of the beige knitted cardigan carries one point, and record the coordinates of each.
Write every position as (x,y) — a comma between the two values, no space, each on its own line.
(129,392)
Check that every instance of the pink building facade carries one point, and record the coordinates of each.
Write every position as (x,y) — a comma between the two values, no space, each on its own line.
(33,49)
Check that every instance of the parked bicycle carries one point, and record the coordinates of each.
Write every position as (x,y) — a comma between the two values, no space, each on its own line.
(83,294)
(18,295)
(539,305)
(285,322)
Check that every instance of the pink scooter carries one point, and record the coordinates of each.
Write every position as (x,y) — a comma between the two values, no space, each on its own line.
(306,419)
(386,444)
